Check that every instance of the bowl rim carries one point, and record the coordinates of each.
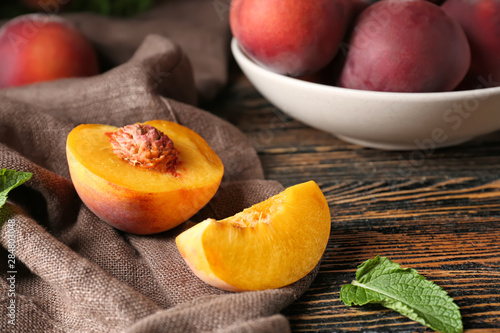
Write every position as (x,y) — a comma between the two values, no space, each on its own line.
(249,64)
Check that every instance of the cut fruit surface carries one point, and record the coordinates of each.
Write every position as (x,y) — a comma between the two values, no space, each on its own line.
(136,199)
(269,245)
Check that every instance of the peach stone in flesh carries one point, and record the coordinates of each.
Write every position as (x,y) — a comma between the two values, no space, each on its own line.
(146,147)
(136,199)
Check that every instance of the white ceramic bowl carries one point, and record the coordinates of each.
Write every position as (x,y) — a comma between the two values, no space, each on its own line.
(383,120)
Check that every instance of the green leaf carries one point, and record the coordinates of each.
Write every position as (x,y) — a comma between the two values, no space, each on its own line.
(384,282)
(10,179)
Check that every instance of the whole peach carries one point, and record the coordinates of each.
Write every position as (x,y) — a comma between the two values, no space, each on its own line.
(406,46)
(480,20)
(292,37)
(37,47)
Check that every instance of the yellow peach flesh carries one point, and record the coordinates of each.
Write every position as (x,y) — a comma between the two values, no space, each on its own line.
(269,245)
(138,200)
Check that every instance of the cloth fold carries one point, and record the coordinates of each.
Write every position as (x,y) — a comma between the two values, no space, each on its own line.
(199,27)
(75,273)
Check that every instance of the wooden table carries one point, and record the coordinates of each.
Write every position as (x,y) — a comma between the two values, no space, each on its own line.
(439,214)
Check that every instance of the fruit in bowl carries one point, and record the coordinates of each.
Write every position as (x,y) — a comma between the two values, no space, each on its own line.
(290,37)
(142,178)
(480,20)
(419,68)
(406,46)
(419,122)
(37,47)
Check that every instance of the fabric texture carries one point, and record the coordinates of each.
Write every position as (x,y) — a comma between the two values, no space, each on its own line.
(75,273)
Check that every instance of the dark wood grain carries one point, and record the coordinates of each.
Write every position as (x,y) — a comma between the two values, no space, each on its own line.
(437,212)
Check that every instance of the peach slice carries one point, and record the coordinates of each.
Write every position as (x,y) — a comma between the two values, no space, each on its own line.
(140,200)
(269,245)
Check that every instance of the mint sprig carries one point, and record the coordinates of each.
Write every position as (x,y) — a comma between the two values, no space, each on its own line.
(10,179)
(384,282)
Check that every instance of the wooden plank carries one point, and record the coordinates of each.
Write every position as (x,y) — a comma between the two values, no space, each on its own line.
(439,214)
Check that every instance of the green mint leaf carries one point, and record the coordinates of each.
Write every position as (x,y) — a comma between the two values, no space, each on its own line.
(10,179)
(384,282)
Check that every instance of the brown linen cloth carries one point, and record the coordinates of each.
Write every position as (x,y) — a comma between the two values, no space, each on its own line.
(74,273)
(199,27)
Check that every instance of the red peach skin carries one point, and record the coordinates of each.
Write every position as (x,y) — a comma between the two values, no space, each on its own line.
(293,37)
(406,46)
(37,47)
(480,20)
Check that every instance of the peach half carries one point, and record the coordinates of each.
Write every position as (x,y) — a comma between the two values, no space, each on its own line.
(270,245)
(137,199)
